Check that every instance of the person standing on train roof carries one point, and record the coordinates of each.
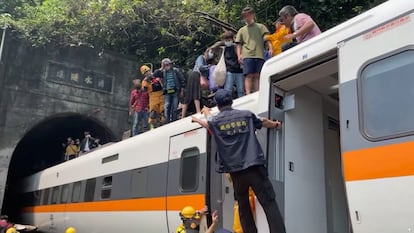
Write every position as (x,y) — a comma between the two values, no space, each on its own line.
(302,26)
(139,102)
(153,84)
(250,49)
(174,85)
(240,154)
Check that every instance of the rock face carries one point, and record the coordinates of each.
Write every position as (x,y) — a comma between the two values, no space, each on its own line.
(49,94)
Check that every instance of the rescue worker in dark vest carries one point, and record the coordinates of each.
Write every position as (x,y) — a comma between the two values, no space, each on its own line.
(240,154)
(191,221)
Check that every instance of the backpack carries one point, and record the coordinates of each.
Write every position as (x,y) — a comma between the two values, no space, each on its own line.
(156,85)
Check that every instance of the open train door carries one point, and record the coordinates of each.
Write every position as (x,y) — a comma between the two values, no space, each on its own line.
(186,181)
(376,111)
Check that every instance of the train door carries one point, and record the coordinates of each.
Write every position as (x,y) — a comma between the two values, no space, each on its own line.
(376,92)
(220,193)
(304,157)
(186,182)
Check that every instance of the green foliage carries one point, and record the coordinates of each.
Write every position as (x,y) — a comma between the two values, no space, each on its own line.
(151,30)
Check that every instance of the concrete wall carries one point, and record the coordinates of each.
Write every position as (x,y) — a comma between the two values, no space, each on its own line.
(37,83)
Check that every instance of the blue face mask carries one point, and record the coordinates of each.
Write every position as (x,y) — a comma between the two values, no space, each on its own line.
(228,43)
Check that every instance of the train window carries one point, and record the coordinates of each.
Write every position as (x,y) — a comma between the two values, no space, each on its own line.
(90,189)
(106,187)
(45,200)
(189,171)
(55,195)
(64,194)
(107,181)
(106,193)
(76,191)
(37,196)
(139,182)
(386,91)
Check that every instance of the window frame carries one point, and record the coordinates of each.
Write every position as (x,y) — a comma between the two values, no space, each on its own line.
(360,96)
(106,187)
(79,194)
(61,197)
(197,170)
(87,196)
(46,196)
(55,195)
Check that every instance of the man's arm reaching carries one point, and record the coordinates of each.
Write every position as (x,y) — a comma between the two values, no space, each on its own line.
(270,123)
(203,123)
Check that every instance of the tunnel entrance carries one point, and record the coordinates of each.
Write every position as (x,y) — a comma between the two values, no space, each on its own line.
(41,147)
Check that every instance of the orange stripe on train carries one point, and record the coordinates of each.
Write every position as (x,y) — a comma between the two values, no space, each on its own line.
(379,162)
(174,203)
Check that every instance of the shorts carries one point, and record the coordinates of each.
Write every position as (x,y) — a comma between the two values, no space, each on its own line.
(252,65)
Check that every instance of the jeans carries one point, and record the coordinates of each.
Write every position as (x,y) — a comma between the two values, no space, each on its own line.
(170,107)
(139,123)
(257,178)
(235,78)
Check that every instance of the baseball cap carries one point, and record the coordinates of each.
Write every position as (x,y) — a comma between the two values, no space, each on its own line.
(247,10)
(223,97)
(166,61)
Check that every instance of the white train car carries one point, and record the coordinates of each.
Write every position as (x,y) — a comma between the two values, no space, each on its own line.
(341,163)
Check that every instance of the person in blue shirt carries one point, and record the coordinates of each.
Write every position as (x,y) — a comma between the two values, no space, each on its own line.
(240,154)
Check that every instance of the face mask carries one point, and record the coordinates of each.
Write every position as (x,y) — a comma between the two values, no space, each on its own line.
(210,55)
(228,43)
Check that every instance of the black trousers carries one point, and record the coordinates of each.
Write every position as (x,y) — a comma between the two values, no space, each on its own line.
(257,178)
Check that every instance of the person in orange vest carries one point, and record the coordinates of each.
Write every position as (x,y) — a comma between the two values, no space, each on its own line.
(278,37)
(191,220)
(153,84)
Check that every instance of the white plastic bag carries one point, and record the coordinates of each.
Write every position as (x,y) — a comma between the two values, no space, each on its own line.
(220,73)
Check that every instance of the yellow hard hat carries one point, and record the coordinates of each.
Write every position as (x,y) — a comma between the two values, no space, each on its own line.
(11,230)
(188,212)
(144,69)
(70,230)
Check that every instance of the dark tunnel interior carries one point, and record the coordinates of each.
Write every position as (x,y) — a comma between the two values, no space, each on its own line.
(41,147)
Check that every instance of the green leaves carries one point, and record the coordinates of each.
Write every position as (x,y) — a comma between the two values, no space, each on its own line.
(153,29)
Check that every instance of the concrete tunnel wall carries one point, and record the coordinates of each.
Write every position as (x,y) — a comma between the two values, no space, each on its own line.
(49,94)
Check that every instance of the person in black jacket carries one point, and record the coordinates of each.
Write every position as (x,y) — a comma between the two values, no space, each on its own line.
(234,71)
(173,88)
(240,154)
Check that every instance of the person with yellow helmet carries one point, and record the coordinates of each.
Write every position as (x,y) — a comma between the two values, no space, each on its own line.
(191,220)
(153,84)
(12,230)
(70,230)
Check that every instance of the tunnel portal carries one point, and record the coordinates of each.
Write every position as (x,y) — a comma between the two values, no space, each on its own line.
(41,147)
